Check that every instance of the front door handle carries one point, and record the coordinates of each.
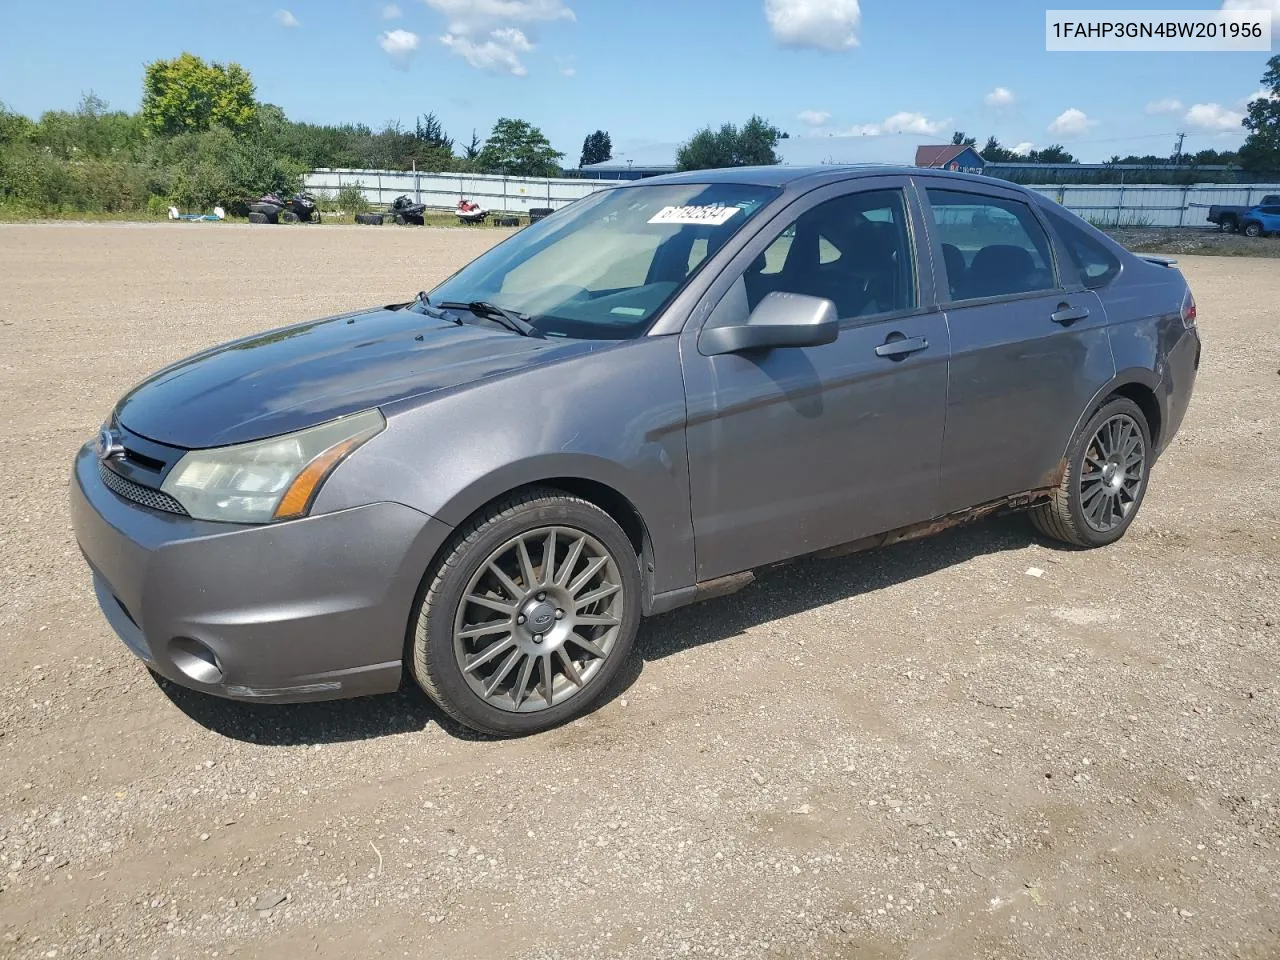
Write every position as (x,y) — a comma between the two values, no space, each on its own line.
(1067,314)
(897,347)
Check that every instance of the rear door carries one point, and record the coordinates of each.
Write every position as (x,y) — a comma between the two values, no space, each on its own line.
(1028,342)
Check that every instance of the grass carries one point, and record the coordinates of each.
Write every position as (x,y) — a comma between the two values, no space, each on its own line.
(10,213)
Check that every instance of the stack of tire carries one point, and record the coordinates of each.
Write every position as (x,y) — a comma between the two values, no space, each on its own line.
(369,219)
(539,213)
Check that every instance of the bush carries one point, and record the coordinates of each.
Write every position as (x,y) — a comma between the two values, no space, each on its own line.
(351,199)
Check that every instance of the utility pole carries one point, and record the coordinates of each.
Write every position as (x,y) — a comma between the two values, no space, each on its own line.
(1177,147)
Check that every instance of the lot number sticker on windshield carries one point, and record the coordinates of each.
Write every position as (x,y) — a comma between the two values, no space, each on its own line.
(713,215)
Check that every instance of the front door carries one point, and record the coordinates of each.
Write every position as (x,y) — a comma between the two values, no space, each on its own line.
(795,449)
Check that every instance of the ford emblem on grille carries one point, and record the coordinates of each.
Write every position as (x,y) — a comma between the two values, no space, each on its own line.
(108,446)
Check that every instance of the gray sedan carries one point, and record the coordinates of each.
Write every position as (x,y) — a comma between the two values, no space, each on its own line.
(628,406)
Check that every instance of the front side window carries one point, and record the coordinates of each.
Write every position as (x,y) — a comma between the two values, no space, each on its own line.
(1097,265)
(854,250)
(605,267)
(991,247)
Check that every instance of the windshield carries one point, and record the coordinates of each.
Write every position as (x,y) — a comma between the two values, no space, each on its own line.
(604,267)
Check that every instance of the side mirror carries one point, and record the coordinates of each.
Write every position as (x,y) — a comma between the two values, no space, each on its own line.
(779,320)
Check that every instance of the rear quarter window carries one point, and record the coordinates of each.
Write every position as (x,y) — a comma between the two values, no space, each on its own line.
(1097,265)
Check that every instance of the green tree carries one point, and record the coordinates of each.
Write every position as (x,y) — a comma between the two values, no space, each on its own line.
(751,145)
(1261,150)
(1054,153)
(960,140)
(596,148)
(186,94)
(994,152)
(518,148)
(429,130)
(15,128)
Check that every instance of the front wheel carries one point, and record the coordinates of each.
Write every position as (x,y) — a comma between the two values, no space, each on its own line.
(1253,229)
(530,615)
(1105,480)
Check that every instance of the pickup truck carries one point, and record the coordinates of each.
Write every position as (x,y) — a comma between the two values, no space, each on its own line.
(1229,219)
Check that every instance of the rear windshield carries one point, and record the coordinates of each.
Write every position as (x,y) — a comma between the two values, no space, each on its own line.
(604,267)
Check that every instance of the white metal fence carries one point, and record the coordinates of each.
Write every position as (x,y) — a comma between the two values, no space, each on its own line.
(1144,205)
(1153,205)
(444,190)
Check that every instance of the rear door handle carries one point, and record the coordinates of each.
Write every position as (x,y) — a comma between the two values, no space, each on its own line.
(896,346)
(1067,314)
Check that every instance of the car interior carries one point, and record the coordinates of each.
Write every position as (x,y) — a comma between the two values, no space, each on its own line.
(857,258)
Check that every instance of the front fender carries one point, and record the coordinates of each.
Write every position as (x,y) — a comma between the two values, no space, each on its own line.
(614,417)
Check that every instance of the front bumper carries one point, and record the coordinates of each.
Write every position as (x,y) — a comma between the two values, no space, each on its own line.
(308,609)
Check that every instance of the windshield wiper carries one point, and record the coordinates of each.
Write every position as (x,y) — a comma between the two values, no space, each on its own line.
(515,322)
(431,310)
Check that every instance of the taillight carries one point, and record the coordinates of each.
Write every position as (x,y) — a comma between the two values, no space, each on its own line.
(1189,310)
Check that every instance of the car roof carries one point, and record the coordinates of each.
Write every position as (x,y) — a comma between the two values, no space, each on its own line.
(808,177)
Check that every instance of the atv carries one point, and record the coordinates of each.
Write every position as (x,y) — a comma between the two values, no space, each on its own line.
(404,210)
(274,208)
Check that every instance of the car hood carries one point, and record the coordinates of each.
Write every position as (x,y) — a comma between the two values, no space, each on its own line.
(298,376)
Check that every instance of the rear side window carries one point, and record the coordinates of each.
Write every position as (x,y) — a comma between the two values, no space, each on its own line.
(1098,266)
(992,247)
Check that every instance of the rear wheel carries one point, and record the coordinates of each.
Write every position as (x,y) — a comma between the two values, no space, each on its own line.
(1228,225)
(258,218)
(399,219)
(1105,479)
(529,617)
(289,216)
(1253,229)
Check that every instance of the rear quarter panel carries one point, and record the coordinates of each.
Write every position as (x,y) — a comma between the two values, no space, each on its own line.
(1150,343)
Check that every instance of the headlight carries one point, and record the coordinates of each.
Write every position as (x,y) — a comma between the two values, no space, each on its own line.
(268,479)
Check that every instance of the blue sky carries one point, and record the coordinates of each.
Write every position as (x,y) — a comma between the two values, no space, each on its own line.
(895,74)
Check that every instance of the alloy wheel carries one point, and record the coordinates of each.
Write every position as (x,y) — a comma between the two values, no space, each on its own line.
(1113,474)
(538,619)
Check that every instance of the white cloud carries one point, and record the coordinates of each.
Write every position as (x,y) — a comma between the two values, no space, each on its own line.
(821,24)
(903,122)
(813,118)
(1262,94)
(467,17)
(390,12)
(1213,117)
(286,19)
(1272,5)
(999,97)
(501,51)
(399,45)
(1022,149)
(1071,123)
(1167,105)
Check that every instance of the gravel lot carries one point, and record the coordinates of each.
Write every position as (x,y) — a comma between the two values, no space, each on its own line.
(923,752)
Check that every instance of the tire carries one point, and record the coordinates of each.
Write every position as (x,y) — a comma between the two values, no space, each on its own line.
(258,218)
(1253,229)
(492,538)
(399,220)
(371,219)
(289,217)
(1228,225)
(1069,515)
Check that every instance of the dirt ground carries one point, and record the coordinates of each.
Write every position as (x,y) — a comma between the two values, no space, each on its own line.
(923,752)
(1184,241)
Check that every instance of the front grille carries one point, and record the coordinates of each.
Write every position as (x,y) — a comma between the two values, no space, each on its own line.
(136,492)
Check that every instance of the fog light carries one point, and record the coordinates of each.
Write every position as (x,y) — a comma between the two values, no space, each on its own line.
(195,660)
